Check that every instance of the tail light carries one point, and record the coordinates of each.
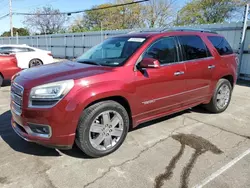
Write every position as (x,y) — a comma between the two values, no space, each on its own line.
(14,59)
(50,54)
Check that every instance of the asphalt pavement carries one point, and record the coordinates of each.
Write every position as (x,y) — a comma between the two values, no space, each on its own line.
(189,149)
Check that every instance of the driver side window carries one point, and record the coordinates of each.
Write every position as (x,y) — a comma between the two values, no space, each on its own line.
(164,50)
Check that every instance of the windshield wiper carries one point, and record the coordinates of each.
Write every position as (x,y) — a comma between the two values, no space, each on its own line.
(89,62)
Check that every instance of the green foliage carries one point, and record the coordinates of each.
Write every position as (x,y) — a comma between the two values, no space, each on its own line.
(20,31)
(155,13)
(207,11)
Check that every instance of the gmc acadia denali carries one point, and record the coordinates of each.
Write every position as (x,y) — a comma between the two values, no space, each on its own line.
(120,83)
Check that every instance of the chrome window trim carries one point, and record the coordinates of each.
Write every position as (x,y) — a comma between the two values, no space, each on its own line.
(177,51)
(189,61)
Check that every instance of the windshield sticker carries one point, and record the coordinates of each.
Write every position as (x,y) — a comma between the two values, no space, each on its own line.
(136,39)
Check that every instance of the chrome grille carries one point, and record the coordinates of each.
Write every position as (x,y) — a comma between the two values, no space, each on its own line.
(16,98)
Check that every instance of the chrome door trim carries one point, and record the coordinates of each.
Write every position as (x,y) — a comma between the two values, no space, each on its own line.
(165,97)
(167,106)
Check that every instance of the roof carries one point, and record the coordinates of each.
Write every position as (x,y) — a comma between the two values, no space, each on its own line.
(14,45)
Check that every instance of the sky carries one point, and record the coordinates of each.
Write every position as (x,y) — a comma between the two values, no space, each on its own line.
(31,5)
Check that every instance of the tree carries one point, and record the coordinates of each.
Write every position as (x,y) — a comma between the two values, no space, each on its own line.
(125,17)
(155,13)
(159,13)
(46,20)
(207,11)
(20,31)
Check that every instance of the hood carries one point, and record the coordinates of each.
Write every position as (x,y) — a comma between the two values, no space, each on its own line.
(60,71)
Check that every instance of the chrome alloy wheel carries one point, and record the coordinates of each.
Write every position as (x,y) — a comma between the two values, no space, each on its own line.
(106,130)
(223,96)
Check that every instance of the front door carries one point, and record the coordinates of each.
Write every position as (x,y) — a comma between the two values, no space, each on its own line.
(159,90)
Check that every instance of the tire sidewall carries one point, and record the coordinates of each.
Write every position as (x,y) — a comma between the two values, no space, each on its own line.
(219,85)
(90,118)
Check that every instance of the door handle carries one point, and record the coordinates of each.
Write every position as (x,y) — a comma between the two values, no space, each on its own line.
(178,73)
(211,67)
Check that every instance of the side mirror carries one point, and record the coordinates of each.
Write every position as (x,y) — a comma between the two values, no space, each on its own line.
(149,63)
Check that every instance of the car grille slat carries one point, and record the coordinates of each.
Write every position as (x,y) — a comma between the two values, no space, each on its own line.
(16,98)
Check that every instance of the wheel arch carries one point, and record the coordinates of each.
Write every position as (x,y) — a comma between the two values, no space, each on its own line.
(230,78)
(1,75)
(117,98)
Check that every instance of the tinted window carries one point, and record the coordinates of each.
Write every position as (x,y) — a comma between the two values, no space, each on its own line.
(194,47)
(29,50)
(221,45)
(163,50)
(5,50)
(16,49)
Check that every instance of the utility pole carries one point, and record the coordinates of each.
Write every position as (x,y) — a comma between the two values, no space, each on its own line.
(11,26)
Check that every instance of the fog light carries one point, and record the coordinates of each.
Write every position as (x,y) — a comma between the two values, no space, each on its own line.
(40,129)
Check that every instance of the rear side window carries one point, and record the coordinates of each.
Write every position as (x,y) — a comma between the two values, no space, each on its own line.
(6,50)
(163,50)
(193,47)
(221,45)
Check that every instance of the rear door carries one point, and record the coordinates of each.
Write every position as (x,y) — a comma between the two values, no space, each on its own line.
(200,65)
(159,90)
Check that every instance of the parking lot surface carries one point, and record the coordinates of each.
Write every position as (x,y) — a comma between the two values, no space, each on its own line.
(190,149)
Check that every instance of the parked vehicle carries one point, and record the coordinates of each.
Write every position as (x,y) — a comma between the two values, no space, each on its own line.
(120,83)
(8,67)
(28,56)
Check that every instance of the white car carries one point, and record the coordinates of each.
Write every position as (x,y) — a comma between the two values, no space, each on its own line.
(27,56)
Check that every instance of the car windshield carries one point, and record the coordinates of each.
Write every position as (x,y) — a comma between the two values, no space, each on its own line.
(111,52)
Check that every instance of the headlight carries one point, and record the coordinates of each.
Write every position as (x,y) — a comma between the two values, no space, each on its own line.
(50,92)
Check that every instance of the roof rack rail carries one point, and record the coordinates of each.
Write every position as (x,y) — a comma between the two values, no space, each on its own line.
(191,29)
(141,31)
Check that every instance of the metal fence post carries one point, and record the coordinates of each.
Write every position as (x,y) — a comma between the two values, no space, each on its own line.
(73,47)
(243,37)
(17,38)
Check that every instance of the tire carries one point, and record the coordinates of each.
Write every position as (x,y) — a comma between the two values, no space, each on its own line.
(215,106)
(35,62)
(1,80)
(87,139)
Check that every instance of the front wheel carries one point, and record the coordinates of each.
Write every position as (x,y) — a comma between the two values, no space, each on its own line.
(102,128)
(221,97)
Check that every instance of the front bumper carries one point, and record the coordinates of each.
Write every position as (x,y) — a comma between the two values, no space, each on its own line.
(61,127)
(55,143)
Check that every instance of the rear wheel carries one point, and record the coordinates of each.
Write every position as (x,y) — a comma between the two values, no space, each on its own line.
(35,62)
(1,80)
(221,97)
(102,128)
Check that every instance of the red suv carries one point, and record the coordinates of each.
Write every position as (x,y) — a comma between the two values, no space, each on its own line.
(120,83)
